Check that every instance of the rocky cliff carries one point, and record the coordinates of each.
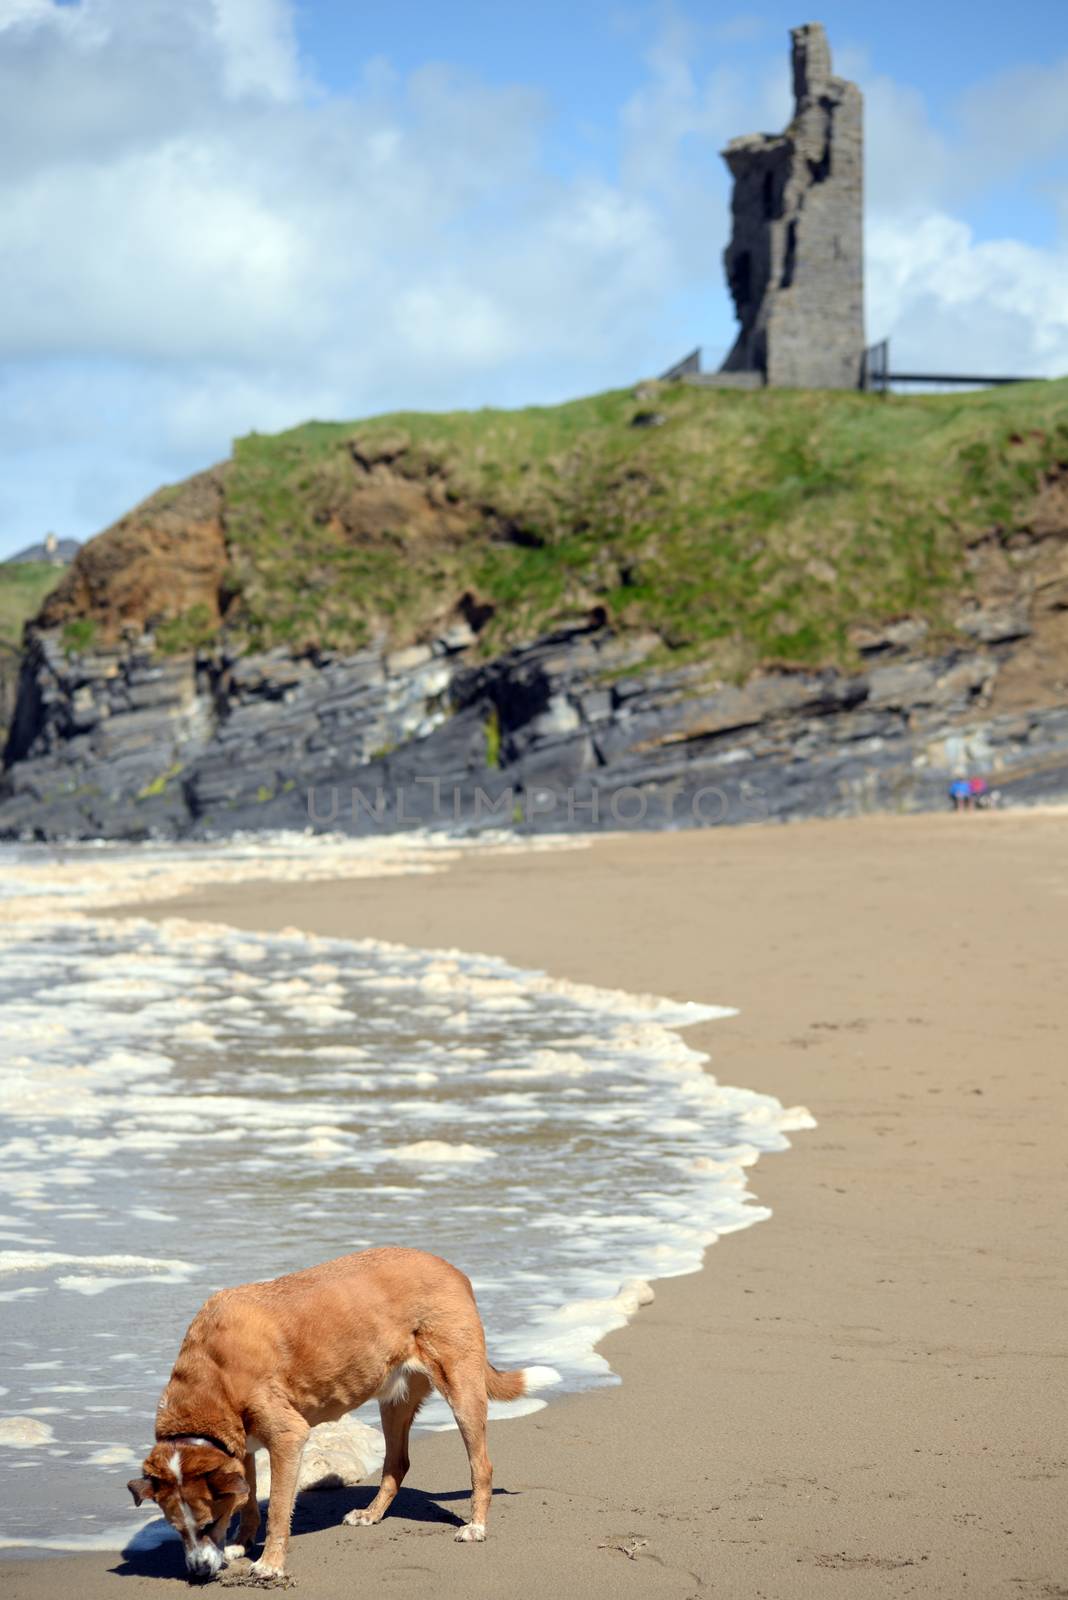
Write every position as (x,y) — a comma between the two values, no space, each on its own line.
(568,732)
(382,634)
(166,558)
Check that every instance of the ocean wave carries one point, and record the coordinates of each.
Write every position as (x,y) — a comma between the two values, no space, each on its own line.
(230,1106)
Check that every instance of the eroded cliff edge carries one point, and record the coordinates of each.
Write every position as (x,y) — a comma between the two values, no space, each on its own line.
(668,608)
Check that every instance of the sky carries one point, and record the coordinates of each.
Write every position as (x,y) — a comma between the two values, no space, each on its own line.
(225,215)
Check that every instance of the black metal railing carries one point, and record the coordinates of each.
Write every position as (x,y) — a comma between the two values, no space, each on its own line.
(685,368)
(876,374)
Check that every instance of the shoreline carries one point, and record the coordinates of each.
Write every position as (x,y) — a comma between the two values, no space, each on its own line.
(864,1383)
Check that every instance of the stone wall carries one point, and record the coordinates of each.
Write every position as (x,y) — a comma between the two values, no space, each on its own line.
(795,262)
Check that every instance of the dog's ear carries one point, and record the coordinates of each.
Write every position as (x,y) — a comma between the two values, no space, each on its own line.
(225,1484)
(141,1489)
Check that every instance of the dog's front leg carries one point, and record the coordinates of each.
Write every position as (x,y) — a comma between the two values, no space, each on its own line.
(284,1437)
(248,1529)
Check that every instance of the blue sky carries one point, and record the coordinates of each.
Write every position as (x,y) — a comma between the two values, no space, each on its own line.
(231,214)
(590,59)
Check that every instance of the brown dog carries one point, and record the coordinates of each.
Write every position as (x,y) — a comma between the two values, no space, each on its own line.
(263,1364)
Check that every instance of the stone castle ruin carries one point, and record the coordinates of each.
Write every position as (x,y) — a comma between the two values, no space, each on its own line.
(795,263)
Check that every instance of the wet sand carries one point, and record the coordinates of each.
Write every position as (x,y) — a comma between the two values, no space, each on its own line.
(863,1396)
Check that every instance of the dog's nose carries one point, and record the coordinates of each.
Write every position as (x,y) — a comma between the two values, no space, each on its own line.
(204,1562)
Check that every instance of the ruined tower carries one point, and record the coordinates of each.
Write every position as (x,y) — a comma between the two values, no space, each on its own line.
(795,263)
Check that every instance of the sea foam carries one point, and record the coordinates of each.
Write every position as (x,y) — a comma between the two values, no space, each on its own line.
(561,1143)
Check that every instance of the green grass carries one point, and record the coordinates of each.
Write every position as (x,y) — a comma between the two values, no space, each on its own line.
(493,738)
(79,635)
(193,630)
(158,785)
(749,528)
(22,588)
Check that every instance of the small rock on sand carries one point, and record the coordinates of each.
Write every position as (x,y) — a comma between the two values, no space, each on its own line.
(336,1456)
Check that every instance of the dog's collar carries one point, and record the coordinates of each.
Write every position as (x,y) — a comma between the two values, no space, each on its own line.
(196,1438)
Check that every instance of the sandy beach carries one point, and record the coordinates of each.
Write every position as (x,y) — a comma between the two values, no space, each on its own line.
(864,1395)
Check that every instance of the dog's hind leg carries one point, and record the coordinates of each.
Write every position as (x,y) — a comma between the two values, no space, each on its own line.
(397,1417)
(463,1384)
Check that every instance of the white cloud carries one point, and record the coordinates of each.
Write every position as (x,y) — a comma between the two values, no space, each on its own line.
(949,299)
(226,229)
(258,47)
(198,239)
(907,162)
(1016,119)
(950,303)
(157,253)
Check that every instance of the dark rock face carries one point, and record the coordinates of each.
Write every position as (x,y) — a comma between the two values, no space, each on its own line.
(571,732)
(795,262)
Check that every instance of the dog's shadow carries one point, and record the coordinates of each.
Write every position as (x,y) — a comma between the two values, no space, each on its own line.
(156,1550)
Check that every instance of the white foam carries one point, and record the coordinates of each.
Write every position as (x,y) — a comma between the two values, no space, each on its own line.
(95,1283)
(20,1433)
(113,1455)
(36,881)
(319,1014)
(548,1064)
(437,1152)
(577,1138)
(14,1262)
(499,1411)
(116,1537)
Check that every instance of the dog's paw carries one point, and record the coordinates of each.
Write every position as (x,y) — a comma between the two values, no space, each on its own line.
(361,1519)
(471,1533)
(265,1571)
(235,1552)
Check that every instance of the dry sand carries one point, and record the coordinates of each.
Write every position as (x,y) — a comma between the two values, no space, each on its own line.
(863,1396)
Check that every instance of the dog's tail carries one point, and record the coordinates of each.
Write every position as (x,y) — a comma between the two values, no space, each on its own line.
(513,1385)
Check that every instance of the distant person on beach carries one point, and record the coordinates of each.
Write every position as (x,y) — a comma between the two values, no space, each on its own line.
(972,794)
(960,792)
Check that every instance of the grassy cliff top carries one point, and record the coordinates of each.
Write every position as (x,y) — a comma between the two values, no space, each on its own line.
(744,528)
(749,525)
(23,586)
